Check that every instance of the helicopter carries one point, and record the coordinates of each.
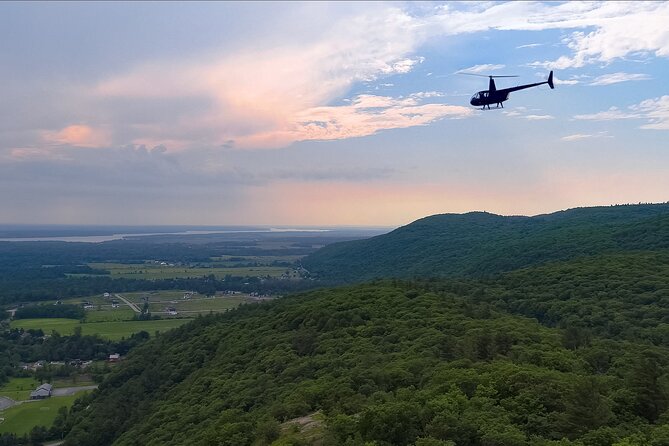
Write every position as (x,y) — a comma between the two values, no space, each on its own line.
(494,96)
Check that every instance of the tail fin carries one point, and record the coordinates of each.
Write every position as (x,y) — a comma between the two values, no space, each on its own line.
(550,80)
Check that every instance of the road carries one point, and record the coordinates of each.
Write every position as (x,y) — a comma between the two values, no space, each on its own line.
(6,402)
(130,304)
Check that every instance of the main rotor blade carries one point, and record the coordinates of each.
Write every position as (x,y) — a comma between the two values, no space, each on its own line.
(473,74)
(484,75)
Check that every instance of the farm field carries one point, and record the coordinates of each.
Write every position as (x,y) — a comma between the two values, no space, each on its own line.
(113,322)
(228,260)
(109,314)
(155,271)
(159,300)
(200,304)
(20,419)
(110,330)
(159,295)
(95,300)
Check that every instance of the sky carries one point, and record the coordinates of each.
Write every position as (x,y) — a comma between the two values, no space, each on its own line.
(318,113)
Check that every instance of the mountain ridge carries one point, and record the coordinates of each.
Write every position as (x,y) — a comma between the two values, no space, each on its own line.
(482,244)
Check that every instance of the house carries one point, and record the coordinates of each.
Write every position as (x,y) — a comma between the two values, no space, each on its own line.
(171,311)
(114,357)
(42,392)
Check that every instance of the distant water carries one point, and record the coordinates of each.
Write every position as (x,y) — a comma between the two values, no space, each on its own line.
(107,238)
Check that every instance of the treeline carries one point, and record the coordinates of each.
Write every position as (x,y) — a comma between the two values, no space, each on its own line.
(441,362)
(19,346)
(63,288)
(50,311)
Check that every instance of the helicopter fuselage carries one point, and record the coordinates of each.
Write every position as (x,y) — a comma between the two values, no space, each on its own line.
(487,97)
(494,96)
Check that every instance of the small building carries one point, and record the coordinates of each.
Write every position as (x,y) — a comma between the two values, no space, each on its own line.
(106,295)
(42,392)
(114,357)
(171,311)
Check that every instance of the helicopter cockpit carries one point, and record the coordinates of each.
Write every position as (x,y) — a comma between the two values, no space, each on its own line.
(478,97)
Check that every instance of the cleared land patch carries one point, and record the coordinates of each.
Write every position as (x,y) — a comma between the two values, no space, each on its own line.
(151,271)
(109,330)
(20,419)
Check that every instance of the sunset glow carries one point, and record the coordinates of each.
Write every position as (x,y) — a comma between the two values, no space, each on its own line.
(327,113)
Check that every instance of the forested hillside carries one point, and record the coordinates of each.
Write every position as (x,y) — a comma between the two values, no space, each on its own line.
(480,244)
(436,362)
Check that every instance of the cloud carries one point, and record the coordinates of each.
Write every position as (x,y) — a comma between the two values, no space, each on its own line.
(538,117)
(620,29)
(78,135)
(614,78)
(366,115)
(581,136)
(255,93)
(566,82)
(403,66)
(258,98)
(572,81)
(427,94)
(261,97)
(529,45)
(611,114)
(655,111)
(485,68)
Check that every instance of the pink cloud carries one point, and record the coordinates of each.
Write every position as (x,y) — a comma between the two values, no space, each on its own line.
(78,135)
(365,116)
(261,98)
(31,153)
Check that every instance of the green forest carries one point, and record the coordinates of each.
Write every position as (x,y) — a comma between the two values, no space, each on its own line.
(470,330)
(482,244)
(542,356)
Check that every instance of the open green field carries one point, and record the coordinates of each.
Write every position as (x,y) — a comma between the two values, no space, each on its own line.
(155,271)
(263,260)
(19,389)
(158,300)
(154,296)
(109,314)
(200,304)
(95,300)
(109,330)
(20,419)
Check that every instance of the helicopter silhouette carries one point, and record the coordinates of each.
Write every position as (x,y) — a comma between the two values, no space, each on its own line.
(494,96)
